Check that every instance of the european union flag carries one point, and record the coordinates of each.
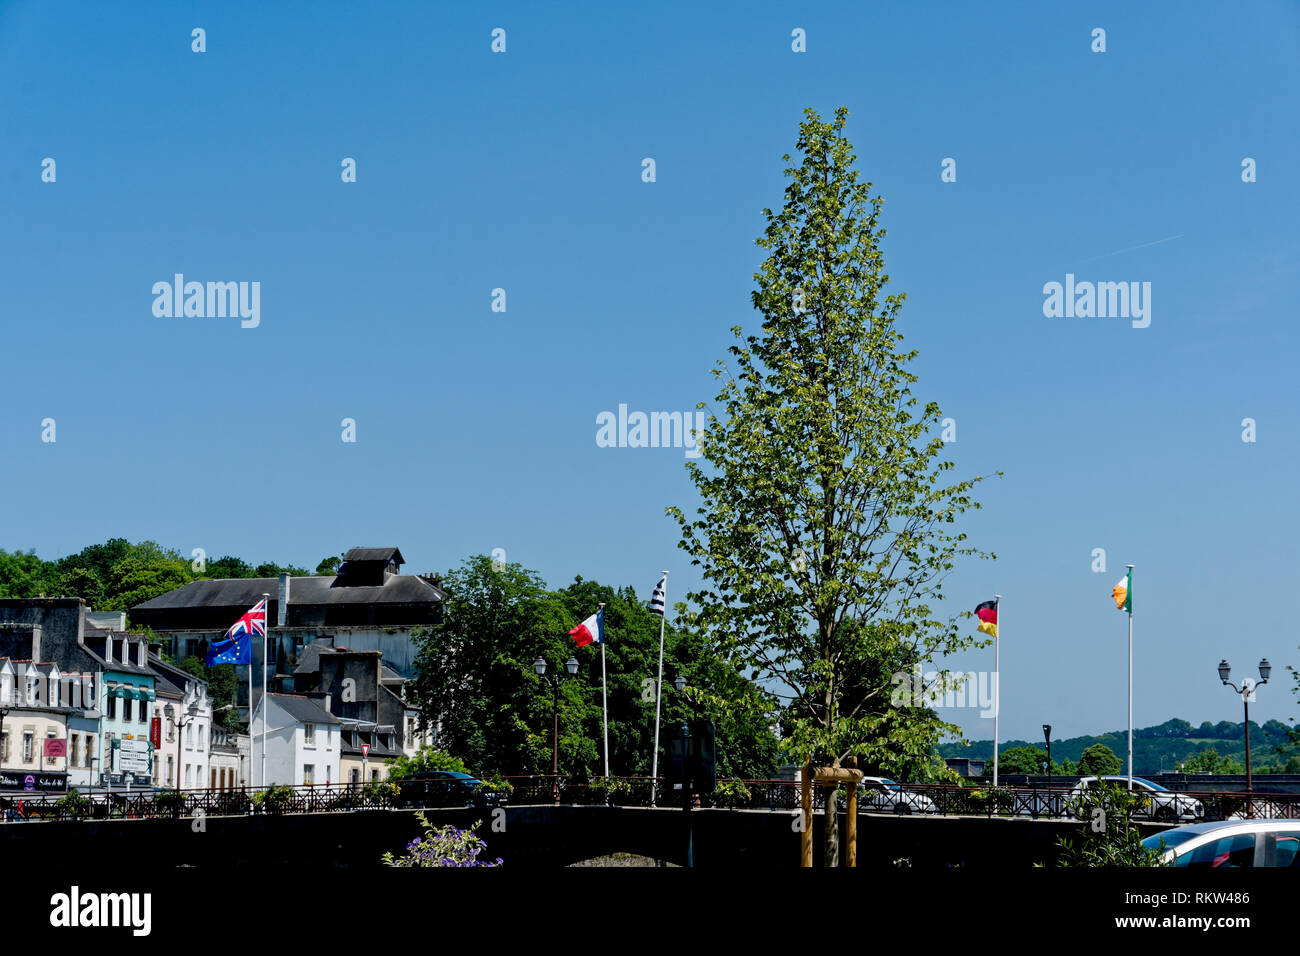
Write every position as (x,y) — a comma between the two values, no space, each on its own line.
(234,650)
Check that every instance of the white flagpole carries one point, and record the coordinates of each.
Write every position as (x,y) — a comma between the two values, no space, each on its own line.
(997,682)
(659,690)
(251,781)
(266,628)
(1130,676)
(604,696)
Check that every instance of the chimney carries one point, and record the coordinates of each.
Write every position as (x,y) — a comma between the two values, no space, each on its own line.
(282,600)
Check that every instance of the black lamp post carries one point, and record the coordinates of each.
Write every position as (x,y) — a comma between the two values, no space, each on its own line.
(539,667)
(1245,690)
(1047,735)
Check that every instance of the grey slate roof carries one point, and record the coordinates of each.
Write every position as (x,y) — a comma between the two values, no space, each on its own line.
(374,554)
(245,592)
(303,709)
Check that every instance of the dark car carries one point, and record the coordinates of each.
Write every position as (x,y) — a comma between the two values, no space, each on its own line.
(445,788)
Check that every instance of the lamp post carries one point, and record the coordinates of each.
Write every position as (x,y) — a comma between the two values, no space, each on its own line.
(1246,690)
(539,668)
(688,836)
(170,712)
(1047,735)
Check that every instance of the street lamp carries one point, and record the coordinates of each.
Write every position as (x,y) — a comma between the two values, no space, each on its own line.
(539,668)
(1047,735)
(170,713)
(680,683)
(1246,690)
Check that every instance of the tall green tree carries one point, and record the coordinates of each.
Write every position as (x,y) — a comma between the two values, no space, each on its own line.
(1099,761)
(826,523)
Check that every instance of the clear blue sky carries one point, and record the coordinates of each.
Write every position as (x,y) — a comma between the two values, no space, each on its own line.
(476,430)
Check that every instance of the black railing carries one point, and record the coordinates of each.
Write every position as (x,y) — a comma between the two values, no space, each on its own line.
(1167,806)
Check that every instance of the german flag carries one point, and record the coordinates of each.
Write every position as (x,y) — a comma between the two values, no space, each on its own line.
(988,615)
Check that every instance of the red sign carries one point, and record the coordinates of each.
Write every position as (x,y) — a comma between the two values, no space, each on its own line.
(155,732)
(56,747)
(365,750)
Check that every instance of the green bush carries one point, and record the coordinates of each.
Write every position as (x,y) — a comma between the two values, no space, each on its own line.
(1109,836)
(73,804)
(170,801)
(427,759)
(381,791)
(273,800)
(731,794)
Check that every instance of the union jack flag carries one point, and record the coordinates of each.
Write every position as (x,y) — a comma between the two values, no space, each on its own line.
(253,623)
(236,647)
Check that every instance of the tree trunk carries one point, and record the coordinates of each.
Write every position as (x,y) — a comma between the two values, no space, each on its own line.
(832,858)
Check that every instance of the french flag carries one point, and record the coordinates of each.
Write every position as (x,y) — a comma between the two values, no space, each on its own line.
(590,631)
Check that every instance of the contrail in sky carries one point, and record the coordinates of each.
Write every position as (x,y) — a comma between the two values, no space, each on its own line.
(1131,248)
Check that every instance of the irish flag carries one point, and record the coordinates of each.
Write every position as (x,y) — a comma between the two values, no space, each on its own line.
(590,631)
(1123,593)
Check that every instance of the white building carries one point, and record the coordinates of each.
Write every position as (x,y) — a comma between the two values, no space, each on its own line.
(186,728)
(303,741)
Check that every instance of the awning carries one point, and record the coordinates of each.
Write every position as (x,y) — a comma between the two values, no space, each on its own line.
(144,693)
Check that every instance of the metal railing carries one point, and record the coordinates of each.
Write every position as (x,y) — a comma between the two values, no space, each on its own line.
(773,795)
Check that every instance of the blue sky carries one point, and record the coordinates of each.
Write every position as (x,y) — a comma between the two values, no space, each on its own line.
(476,430)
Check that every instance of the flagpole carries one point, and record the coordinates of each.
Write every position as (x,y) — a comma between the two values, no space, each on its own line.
(997,680)
(251,781)
(1129,598)
(604,696)
(266,628)
(659,690)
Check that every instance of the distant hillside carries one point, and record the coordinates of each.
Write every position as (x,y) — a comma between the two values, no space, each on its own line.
(1165,746)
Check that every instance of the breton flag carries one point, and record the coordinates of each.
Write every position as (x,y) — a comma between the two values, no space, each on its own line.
(236,647)
(988,615)
(590,631)
(657,600)
(1123,593)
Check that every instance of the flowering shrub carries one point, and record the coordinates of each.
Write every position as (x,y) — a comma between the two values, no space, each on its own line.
(442,846)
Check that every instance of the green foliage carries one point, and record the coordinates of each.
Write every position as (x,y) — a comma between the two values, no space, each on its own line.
(475,676)
(731,793)
(427,759)
(1026,760)
(170,801)
(381,791)
(329,565)
(73,804)
(1109,837)
(275,799)
(1210,761)
(826,525)
(442,846)
(611,789)
(1099,761)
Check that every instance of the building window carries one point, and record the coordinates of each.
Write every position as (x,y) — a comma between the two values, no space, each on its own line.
(374,775)
(354,775)
(28,745)
(309,733)
(4,746)
(111,709)
(75,750)
(170,778)
(50,736)
(187,776)
(126,708)
(90,746)
(309,774)
(212,782)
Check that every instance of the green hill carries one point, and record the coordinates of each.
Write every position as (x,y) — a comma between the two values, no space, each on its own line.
(1166,746)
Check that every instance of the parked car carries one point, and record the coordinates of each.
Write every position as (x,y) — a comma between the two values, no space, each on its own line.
(445,788)
(1162,804)
(881,793)
(1230,843)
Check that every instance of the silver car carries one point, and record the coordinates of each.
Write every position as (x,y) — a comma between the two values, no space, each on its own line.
(1162,804)
(1230,843)
(881,793)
